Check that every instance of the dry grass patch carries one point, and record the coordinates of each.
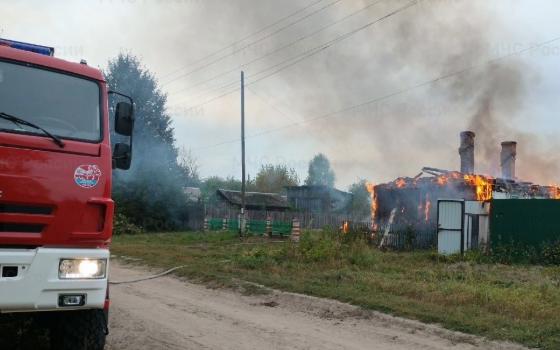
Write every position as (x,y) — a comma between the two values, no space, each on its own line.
(517,303)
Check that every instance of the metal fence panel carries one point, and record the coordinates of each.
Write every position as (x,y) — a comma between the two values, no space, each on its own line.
(530,222)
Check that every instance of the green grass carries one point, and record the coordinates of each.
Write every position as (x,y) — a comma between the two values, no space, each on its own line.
(517,303)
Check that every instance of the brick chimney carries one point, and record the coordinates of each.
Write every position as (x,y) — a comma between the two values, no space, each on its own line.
(466,151)
(507,159)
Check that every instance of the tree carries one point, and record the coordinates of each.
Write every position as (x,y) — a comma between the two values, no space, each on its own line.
(360,207)
(153,124)
(320,172)
(151,192)
(210,185)
(188,166)
(273,179)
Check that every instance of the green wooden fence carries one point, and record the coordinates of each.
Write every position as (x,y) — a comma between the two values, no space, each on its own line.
(280,228)
(215,224)
(255,227)
(233,225)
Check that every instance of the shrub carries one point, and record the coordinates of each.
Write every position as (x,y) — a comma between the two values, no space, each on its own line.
(509,253)
(548,253)
(318,247)
(256,257)
(123,225)
(361,254)
(551,254)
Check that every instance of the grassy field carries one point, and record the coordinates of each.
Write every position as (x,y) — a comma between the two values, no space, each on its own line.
(517,303)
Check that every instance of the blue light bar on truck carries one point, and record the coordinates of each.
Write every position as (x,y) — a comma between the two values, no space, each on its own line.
(42,50)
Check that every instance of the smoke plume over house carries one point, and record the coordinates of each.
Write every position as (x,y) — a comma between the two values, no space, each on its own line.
(378,141)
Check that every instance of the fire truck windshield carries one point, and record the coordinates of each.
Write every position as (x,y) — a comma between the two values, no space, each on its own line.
(65,105)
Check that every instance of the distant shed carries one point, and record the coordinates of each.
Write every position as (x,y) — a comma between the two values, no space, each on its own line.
(254,200)
(318,199)
(193,194)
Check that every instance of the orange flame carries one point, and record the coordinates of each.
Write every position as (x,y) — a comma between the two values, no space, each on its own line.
(456,175)
(345,227)
(482,185)
(442,180)
(427,208)
(554,192)
(373,196)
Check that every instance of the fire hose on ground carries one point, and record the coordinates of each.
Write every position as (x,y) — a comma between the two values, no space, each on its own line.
(149,277)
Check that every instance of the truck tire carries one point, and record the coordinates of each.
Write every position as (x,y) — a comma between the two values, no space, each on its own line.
(79,330)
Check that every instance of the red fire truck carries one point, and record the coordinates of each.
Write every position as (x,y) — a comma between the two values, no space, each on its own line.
(56,211)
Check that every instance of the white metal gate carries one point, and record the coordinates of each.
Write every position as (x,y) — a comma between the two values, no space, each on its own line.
(450,218)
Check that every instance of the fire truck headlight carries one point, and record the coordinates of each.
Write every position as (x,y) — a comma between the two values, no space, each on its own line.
(82,269)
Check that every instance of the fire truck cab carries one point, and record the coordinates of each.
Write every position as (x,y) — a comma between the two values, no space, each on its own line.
(56,211)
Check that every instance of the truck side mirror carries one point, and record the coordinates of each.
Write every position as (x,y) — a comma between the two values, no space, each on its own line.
(122,156)
(124,119)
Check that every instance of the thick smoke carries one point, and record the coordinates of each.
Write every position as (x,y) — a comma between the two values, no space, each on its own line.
(420,127)
(397,135)
(500,95)
(394,137)
(381,141)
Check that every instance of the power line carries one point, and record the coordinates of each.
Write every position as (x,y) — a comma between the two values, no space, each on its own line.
(268,103)
(253,43)
(306,54)
(245,38)
(224,87)
(280,48)
(390,95)
(302,56)
(277,109)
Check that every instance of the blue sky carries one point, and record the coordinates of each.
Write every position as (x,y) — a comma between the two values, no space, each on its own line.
(378,142)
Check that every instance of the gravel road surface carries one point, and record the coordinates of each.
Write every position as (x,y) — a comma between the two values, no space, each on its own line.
(168,313)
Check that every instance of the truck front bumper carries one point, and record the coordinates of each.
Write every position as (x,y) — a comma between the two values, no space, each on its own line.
(37,286)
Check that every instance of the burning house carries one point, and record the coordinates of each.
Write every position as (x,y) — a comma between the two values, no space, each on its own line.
(409,203)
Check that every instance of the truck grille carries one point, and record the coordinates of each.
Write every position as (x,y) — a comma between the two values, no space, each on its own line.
(14,217)
(21,228)
(24,209)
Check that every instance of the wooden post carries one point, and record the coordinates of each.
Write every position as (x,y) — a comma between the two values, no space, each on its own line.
(388,228)
(269,226)
(242,223)
(295,230)
(242,219)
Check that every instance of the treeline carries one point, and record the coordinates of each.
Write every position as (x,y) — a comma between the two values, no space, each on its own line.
(151,194)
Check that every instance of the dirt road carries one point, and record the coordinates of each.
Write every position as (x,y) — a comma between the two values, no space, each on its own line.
(168,313)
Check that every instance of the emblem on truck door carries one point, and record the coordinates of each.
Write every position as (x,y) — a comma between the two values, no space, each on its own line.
(87,176)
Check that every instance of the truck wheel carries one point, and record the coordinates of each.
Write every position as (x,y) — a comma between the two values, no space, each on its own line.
(79,330)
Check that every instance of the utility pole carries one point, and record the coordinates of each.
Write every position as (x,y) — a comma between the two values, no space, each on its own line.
(242,219)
